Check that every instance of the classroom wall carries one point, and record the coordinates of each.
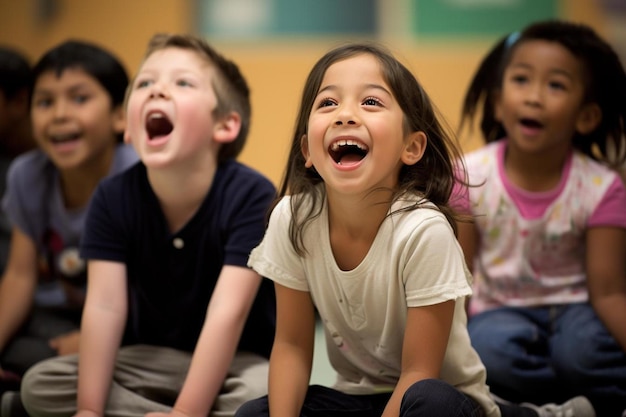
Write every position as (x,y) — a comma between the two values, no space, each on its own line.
(275,69)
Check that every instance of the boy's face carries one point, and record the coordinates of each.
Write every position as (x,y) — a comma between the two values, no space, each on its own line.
(73,120)
(170,108)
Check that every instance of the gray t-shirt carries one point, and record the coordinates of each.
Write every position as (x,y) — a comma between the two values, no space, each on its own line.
(5,225)
(33,202)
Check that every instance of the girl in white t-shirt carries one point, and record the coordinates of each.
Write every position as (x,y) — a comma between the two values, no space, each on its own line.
(363,235)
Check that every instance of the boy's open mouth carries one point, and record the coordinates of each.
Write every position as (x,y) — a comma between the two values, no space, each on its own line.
(346,151)
(68,137)
(157,125)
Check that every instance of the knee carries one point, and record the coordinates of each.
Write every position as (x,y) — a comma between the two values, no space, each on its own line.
(433,397)
(579,354)
(254,408)
(42,381)
(31,381)
(32,378)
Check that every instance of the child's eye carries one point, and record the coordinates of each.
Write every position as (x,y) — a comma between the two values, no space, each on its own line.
(519,79)
(557,85)
(326,102)
(142,83)
(183,83)
(42,102)
(80,98)
(372,101)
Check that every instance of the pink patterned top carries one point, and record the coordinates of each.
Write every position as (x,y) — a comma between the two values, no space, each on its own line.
(531,245)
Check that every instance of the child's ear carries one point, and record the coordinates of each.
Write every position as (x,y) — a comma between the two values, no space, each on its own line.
(118,119)
(589,118)
(227,128)
(304,147)
(414,148)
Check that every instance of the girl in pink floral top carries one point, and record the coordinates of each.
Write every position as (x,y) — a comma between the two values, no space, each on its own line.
(548,240)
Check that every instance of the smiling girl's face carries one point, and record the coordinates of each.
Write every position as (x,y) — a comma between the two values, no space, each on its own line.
(356,140)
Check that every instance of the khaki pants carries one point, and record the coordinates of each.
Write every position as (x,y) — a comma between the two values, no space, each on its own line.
(145,379)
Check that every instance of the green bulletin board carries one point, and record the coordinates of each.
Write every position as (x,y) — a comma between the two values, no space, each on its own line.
(262,18)
(477,17)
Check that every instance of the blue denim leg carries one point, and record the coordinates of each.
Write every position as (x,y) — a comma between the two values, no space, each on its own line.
(433,397)
(588,359)
(513,344)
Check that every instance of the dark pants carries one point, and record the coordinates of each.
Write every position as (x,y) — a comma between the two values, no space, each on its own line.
(429,397)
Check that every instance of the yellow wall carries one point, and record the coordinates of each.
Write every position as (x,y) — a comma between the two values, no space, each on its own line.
(275,70)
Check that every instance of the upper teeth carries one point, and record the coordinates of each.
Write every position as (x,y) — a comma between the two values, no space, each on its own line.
(346,142)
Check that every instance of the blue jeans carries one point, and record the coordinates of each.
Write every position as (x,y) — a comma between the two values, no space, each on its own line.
(430,397)
(550,354)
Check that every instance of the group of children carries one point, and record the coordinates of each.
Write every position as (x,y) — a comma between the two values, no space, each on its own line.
(167,279)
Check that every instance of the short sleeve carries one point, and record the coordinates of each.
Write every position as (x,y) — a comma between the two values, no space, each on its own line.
(103,238)
(275,257)
(611,211)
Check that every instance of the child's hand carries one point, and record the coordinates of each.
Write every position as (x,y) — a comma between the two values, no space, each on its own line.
(66,343)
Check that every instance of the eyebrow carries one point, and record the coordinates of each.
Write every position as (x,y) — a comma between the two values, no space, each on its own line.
(332,87)
(551,70)
(72,89)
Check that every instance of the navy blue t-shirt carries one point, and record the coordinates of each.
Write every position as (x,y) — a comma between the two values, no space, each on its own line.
(171,276)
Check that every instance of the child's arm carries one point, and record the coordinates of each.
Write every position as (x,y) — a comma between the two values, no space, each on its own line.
(292,353)
(17,286)
(606,278)
(102,326)
(424,347)
(226,316)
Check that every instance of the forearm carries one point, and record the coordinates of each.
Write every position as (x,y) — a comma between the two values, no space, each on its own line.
(16,300)
(290,372)
(610,309)
(209,366)
(98,350)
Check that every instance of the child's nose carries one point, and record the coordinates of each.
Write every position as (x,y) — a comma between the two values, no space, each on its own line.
(158,90)
(534,94)
(341,122)
(345,116)
(60,109)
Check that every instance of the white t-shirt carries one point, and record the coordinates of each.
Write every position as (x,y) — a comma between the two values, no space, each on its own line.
(414,261)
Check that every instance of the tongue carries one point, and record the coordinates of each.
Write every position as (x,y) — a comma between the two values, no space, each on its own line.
(350,159)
